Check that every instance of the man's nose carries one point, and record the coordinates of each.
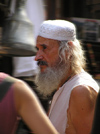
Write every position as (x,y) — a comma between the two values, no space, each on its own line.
(38,56)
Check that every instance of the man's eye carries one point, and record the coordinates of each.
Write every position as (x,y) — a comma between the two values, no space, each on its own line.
(44,47)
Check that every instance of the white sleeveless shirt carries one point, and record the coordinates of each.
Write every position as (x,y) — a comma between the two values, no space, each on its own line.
(60,102)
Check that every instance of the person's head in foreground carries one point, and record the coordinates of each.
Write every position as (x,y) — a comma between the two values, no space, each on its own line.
(59,56)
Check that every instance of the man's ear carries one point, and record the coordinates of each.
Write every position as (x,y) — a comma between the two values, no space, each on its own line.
(70,43)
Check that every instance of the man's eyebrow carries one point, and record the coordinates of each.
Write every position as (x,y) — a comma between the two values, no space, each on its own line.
(43,44)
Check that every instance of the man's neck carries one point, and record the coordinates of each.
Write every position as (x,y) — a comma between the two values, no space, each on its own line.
(65,79)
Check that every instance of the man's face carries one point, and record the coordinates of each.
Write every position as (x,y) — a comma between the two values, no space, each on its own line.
(47,54)
(52,70)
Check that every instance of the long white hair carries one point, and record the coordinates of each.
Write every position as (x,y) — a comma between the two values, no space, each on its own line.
(75,53)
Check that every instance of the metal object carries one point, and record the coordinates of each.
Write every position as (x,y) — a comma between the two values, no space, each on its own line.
(17,35)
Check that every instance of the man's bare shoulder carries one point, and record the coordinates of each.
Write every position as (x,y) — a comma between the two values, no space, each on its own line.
(83,98)
(80,92)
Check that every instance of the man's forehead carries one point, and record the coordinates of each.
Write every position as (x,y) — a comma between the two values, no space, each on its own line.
(46,40)
(40,39)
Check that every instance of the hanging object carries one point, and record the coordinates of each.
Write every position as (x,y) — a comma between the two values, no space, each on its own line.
(17,35)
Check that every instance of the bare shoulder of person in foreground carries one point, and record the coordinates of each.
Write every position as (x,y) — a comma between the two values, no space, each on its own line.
(29,108)
(81,110)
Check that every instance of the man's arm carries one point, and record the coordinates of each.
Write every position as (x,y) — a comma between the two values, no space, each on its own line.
(29,108)
(81,109)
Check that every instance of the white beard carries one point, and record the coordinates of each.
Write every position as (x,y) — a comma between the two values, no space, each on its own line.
(48,81)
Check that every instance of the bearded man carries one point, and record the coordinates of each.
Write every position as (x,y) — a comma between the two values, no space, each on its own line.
(62,65)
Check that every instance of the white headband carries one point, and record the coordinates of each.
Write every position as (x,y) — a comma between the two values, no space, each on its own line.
(58,30)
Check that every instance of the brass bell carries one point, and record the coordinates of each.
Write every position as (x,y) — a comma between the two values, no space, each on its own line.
(17,35)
